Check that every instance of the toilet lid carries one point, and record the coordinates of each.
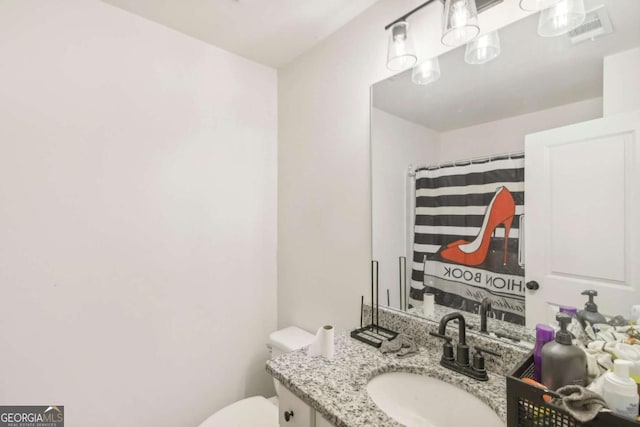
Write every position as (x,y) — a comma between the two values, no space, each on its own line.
(250,412)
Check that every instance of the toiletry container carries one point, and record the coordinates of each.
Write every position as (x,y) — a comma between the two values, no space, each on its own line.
(562,362)
(620,391)
(257,410)
(590,313)
(544,334)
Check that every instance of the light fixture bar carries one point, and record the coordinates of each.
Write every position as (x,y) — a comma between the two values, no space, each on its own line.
(408,14)
(481,6)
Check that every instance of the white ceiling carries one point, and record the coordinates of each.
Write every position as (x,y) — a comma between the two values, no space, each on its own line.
(531,74)
(272,32)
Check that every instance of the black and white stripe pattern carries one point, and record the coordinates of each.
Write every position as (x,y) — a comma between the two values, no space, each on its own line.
(451,203)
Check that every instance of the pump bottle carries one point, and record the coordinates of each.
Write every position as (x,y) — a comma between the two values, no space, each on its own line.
(620,391)
(590,313)
(562,362)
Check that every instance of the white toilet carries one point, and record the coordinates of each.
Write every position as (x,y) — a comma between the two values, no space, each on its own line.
(258,411)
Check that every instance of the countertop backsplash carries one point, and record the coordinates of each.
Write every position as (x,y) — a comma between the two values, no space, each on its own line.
(419,329)
(524,333)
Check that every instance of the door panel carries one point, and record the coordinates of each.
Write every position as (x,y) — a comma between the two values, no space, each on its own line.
(582,188)
(587,217)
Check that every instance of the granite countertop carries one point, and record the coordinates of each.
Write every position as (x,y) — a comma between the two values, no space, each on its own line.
(337,388)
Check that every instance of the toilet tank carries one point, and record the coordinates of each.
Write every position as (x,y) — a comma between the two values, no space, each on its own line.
(288,339)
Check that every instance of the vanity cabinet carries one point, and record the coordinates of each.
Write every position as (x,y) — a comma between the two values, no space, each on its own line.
(299,414)
(321,422)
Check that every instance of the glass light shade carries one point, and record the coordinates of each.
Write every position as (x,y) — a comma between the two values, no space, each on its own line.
(561,18)
(401,53)
(483,49)
(536,5)
(426,72)
(459,22)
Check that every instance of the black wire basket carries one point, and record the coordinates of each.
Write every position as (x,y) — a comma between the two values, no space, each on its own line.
(526,406)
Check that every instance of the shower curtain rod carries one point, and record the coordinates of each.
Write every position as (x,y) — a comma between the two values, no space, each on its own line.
(436,166)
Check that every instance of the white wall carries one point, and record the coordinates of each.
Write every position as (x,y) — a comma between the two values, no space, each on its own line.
(324,210)
(507,135)
(137,217)
(621,82)
(395,144)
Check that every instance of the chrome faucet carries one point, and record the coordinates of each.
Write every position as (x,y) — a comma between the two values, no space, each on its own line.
(485,307)
(460,363)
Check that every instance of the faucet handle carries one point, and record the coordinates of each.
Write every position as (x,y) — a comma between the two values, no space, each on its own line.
(447,347)
(444,337)
(478,358)
(480,350)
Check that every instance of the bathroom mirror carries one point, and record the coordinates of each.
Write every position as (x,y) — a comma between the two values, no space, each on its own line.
(447,162)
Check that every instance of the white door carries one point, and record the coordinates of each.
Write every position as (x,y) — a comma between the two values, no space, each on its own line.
(582,211)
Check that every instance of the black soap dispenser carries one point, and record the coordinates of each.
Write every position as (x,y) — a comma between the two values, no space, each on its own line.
(590,313)
(562,362)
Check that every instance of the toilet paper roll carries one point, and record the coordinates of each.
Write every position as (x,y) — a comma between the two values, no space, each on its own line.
(328,345)
(323,344)
(429,304)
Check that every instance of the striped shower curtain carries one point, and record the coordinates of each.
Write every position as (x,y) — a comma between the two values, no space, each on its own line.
(468,237)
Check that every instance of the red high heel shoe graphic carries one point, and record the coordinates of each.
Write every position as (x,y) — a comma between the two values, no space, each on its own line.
(500,211)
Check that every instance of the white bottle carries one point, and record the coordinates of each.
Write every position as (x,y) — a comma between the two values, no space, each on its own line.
(620,391)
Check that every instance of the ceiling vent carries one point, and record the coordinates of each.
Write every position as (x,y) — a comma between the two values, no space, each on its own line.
(596,24)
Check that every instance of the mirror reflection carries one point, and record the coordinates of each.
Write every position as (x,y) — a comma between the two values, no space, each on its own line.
(450,167)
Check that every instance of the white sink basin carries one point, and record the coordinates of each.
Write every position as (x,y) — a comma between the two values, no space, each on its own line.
(420,401)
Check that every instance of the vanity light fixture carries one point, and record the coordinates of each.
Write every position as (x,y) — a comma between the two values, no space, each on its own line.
(561,18)
(401,53)
(483,49)
(459,25)
(426,72)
